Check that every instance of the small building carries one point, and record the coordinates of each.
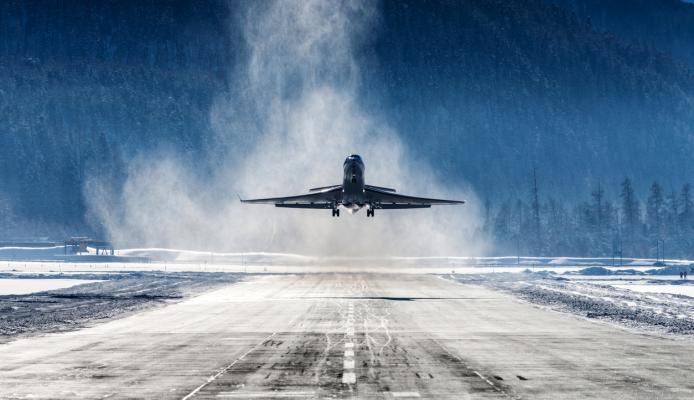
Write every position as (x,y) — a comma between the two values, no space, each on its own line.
(80,244)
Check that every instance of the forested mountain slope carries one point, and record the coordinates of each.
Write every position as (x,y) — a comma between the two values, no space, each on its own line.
(484,90)
(492,88)
(664,25)
(86,86)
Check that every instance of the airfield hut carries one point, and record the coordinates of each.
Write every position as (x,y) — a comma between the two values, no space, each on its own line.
(79,245)
(76,245)
(102,248)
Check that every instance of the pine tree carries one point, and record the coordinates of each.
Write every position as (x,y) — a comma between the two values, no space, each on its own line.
(598,211)
(654,211)
(535,227)
(601,217)
(686,206)
(630,215)
(502,226)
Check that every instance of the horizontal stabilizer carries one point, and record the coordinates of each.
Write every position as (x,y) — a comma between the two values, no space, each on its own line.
(385,189)
(319,189)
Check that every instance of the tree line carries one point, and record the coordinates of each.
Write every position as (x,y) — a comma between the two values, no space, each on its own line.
(660,226)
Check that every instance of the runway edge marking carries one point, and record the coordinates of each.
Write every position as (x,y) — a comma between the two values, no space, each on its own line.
(227,368)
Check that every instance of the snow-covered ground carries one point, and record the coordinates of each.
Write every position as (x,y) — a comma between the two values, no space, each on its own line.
(31,253)
(274,266)
(26,286)
(259,262)
(643,302)
(54,303)
(196,257)
(684,290)
(60,254)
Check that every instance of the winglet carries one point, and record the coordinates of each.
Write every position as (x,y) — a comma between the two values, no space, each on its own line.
(240,199)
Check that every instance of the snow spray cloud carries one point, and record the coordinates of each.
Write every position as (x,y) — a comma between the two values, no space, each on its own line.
(289,120)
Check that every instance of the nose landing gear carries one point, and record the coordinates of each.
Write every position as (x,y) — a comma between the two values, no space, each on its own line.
(336,212)
(369,212)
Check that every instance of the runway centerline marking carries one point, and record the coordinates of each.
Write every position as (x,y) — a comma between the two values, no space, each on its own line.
(405,394)
(227,368)
(265,395)
(348,376)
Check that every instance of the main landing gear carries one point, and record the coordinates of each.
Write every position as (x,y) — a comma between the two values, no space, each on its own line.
(336,212)
(370,212)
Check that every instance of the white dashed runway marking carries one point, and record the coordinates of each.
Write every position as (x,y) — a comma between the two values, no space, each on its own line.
(266,395)
(405,394)
(348,375)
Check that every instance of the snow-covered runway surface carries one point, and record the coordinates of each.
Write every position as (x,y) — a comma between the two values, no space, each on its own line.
(349,336)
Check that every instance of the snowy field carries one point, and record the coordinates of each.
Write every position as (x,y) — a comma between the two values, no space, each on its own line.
(40,303)
(645,287)
(647,303)
(279,267)
(159,256)
(26,286)
(53,259)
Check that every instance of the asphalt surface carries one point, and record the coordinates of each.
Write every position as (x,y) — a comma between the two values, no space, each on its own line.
(348,336)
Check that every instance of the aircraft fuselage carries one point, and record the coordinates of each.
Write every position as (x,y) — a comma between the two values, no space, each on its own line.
(353,197)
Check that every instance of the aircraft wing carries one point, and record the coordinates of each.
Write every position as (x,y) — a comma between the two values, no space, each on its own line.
(320,199)
(389,200)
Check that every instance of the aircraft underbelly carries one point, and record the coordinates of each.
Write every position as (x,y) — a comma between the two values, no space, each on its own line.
(352,207)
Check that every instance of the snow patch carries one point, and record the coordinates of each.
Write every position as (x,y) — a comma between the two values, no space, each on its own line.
(26,286)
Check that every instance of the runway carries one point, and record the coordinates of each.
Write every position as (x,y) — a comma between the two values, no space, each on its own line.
(372,336)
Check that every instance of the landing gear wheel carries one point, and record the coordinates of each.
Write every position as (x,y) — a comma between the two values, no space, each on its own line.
(336,212)
(370,212)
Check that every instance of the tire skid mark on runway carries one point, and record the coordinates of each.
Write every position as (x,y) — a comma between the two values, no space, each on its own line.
(231,365)
(396,359)
(228,367)
(487,380)
(495,386)
(384,325)
(326,351)
(315,346)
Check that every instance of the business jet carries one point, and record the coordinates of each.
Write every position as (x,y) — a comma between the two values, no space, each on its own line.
(353,195)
